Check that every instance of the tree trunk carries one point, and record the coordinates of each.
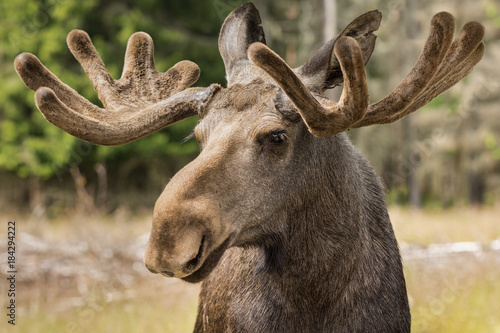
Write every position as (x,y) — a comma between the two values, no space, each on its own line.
(102,184)
(330,31)
(36,197)
(410,133)
(85,202)
(330,23)
(477,188)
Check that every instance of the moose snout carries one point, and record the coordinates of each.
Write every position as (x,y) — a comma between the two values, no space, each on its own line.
(177,257)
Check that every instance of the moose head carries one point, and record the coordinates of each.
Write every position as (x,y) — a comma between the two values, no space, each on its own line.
(262,138)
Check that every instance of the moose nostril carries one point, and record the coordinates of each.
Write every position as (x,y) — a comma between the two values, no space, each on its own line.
(193,263)
(168,273)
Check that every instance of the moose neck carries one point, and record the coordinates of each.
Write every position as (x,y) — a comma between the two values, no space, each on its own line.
(330,233)
(328,251)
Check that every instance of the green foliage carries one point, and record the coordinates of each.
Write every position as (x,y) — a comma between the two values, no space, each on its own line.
(493,12)
(30,146)
(188,29)
(492,145)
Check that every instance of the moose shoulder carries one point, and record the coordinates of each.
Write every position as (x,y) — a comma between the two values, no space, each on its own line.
(279,215)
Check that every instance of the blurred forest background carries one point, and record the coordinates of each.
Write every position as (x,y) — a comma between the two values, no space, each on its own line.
(84,211)
(445,155)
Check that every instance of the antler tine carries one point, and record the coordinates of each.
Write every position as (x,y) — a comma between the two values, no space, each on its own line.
(331,117)
(442,63)
(35,75)
(139,67)
(109,129)
(140,102)
(139,56)
(448,79)
(83,50)
(464,53)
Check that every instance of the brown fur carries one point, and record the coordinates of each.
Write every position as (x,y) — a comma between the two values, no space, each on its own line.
(314,251)
(279,216)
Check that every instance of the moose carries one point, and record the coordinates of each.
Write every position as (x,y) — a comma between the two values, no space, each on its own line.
(282,220)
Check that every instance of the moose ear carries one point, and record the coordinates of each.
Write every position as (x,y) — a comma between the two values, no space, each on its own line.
(322,71)
(240,29)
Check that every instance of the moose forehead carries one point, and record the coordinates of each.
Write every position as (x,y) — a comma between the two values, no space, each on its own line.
(249,108)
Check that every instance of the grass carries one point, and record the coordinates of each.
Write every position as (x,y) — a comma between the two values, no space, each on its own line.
(481,224)
(131,316)
(455,300)
(461,295)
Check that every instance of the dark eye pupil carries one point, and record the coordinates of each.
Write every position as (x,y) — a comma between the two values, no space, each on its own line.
(277,137)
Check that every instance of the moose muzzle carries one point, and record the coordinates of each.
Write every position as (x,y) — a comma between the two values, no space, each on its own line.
(187,234)
(175,255)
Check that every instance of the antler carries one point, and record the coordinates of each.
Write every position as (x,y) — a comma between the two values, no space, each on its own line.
(440,66)
(141,102)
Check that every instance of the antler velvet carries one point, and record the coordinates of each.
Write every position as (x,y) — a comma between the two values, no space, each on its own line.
(441,64)
(141,102)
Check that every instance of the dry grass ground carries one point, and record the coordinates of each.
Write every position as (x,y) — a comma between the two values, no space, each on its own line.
(456,293)
(422,227)
(84,275)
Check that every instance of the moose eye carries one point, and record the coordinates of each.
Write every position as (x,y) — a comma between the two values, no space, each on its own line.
(277,137)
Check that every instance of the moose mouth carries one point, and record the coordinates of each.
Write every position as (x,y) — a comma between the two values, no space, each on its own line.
(209,264)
